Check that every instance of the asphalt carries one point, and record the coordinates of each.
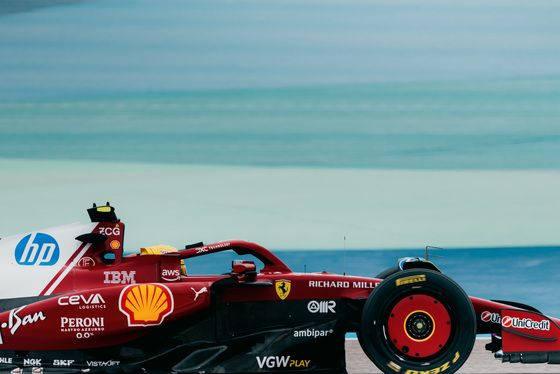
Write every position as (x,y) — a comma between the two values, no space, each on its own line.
(480,362)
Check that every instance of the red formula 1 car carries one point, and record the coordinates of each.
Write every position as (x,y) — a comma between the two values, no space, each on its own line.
(71,303)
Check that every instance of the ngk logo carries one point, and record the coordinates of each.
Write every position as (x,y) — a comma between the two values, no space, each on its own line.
(486,316)
(526,323)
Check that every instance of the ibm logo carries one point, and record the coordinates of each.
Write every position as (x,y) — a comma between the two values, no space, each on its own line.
(37,249)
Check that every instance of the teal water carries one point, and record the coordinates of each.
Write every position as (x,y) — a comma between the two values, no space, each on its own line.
(201,83)
(488,124)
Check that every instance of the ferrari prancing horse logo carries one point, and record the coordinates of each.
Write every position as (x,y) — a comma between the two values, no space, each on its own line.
(283,288)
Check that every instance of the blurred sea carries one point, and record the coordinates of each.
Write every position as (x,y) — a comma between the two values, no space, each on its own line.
(487,124)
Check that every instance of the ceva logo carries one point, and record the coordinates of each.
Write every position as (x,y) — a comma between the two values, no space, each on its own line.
(37,249)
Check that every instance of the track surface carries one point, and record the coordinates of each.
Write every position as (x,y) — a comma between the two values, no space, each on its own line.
(479,362)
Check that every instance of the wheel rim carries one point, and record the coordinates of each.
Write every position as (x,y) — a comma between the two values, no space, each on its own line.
(418,326)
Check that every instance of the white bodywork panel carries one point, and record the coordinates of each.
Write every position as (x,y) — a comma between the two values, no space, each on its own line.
(29,262)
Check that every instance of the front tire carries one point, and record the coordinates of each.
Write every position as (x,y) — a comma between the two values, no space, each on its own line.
(418,321)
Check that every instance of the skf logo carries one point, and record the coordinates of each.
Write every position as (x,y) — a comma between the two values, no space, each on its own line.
(283,288)
(411,279)
(63,362)
(146,304)
(37,249)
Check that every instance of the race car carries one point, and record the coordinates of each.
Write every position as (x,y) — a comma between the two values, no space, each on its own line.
(73,302)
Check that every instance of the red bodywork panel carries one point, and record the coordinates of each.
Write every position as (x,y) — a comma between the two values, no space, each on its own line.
(525,331)
(100,317)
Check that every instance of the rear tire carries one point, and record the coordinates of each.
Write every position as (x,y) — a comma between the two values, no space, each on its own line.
(386,273)
(418,321)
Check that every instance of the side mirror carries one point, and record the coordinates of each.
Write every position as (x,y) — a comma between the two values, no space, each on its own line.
(107,257)
(245,270)
(242,266)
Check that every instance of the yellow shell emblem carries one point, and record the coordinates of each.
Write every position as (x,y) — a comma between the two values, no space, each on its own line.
(146,304)
(283,288)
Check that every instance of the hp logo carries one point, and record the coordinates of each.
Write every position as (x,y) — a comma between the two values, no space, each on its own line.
(37,249)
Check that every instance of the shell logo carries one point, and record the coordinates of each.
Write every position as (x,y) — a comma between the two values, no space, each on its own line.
(146,304)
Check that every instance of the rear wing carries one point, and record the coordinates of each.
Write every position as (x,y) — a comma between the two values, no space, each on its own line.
(107,239)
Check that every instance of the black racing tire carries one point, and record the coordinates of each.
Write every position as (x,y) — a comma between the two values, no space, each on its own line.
(385,273)
(416,321)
